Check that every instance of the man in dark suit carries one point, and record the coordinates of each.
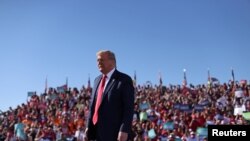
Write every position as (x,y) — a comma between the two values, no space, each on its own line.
(112,102)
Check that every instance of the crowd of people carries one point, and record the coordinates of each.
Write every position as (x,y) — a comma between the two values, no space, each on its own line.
(161,113)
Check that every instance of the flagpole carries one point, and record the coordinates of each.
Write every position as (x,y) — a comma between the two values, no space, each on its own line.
(208,76)
(185,78)
(66,83)
(160,79)
(135,78)
(232,73)
(46,84)
(88,81)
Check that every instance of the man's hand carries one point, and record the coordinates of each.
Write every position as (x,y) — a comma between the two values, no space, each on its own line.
(122,136)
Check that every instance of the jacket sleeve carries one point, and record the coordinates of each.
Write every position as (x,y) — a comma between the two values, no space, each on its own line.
(128,105)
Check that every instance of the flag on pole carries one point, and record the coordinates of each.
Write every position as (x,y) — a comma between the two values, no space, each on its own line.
(208,77)
(89,86)
(160,79)
(185,78)
(66,84)
(89,89)
(185,90)
(46,85)
(232,72)
(134,81)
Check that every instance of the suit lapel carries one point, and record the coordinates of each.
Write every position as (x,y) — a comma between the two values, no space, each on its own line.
(110,84)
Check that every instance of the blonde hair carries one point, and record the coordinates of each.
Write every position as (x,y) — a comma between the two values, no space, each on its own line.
(111,55)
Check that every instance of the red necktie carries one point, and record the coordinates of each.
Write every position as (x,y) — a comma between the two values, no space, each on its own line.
(99,99)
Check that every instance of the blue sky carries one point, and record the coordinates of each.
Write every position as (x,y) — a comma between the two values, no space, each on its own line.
(60,38)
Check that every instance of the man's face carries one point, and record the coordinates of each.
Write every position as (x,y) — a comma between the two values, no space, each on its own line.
(104,63)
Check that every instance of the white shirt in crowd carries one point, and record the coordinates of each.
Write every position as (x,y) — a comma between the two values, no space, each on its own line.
(80,135)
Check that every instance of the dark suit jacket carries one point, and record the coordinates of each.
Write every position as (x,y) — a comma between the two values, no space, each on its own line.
(116,109)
